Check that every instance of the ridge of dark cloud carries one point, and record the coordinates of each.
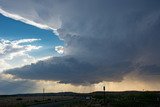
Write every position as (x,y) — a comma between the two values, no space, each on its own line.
(70,70)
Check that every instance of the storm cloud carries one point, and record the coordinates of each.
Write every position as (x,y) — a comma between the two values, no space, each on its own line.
(104,40)
(10,85)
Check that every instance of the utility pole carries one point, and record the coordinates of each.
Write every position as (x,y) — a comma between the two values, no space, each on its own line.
(43,93)
(104,89)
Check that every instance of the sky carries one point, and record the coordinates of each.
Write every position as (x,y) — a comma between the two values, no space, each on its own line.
(30,37)
(80,45)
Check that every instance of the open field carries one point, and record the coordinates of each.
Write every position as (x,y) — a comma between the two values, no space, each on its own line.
(95,99)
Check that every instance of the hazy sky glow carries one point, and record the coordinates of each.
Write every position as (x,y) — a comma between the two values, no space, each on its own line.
(79,45)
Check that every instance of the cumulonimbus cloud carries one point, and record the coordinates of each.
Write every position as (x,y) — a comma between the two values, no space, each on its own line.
(105,40)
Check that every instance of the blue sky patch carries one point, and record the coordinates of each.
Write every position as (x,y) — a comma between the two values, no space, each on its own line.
(14,30)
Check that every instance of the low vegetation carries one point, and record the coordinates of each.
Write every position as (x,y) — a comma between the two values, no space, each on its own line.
(95,99)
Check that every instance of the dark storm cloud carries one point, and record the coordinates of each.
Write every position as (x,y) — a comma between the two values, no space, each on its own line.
(150,69)
(105,40)
(9,86)
(70,70)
